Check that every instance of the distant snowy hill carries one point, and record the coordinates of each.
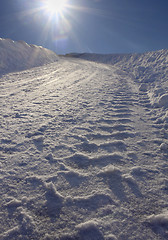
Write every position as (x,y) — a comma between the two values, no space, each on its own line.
(18,55)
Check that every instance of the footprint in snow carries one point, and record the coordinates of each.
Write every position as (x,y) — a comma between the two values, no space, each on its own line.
(113,177)
(38,142)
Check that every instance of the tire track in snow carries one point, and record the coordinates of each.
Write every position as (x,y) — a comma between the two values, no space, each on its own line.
(85,152)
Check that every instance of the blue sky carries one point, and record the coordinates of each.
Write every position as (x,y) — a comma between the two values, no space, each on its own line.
(99,26)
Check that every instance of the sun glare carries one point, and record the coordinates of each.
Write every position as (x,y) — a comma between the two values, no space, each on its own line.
(55,6)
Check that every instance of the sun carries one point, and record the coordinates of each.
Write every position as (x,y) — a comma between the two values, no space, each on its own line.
(55,7)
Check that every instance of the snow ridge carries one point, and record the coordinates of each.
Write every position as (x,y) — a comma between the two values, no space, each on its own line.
(149,70)
(18,55)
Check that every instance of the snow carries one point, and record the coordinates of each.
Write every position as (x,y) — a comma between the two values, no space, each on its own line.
(159,219)
(18,55)
(163,101)
(83,145)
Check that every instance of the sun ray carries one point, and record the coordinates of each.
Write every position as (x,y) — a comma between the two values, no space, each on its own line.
(59,21)
(54,7)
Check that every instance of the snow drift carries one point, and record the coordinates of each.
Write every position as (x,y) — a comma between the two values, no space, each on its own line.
(149,69)
(18,55)
(145,67)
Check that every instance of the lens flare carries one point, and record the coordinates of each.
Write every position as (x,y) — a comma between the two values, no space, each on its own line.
(55,7)
(58,21)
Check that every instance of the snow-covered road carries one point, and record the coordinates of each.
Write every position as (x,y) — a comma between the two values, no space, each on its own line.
(82,155)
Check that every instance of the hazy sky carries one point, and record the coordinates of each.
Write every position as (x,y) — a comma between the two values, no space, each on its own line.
(100,26)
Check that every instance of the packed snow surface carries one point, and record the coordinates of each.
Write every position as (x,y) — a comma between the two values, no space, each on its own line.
(84,151)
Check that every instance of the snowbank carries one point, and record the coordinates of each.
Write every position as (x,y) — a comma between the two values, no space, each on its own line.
(18,55)
(149,70)
(145,67)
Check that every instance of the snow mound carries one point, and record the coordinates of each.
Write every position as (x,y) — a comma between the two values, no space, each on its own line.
(159,219)
(18,55)
(164,147)
(111,237)
(163,101)
(89,231)
(110,170)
